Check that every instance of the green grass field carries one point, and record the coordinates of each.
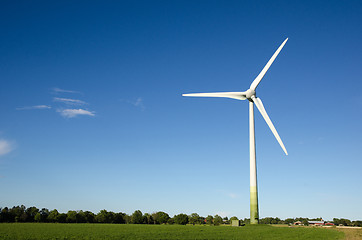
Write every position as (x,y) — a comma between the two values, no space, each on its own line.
(12,231)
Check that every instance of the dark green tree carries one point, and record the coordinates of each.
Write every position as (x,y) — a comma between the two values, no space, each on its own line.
(5,215)
(81,217)
(37,217)
(17,213)
(345,222)
(105,217)
(31,212)
(44,212)
(90,217)
(120,218)
(217,220)
(305,222)
(53,216)
(62,218)
(137,217)
(194,218)
(171,221)
(160,217)
(128,219)
(233,218)
(357,223)
(71,216)
(209,220)
(289,221)
(181,219)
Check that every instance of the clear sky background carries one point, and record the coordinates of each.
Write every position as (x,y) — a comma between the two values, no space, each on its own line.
(92,117)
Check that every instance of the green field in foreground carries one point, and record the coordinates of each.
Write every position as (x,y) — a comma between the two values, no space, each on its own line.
(12,231)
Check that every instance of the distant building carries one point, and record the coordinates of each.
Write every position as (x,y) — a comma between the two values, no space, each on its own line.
(235,223)
(329,224)
(316,223)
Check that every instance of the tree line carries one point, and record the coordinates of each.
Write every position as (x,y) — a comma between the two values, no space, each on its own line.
(33,214)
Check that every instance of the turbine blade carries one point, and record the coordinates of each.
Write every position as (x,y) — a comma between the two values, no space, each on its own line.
(257,80)
(260,106)
(234,95)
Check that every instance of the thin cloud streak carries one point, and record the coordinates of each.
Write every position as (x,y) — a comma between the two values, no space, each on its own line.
(69,101)
(71,113)
(5,147)
(59,90)
(34,107)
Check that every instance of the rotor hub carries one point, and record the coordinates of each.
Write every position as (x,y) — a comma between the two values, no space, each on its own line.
(249,94)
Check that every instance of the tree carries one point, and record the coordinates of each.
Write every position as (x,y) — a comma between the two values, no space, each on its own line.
(194,218)
(181,219)
(233,218)
(209,220)
(111,216)
(5,215)
(31,212)
(81,217)
(202,220)
(53,216)
(71,216)
(89,216)
(289,221)
(62,218)
(357,223)
(44,212)
(305,222)
(217,220)
(346,222)
(105,217)
(266,220)
(128,219)
(17,213)
(119,218)
(136,217)
(160,217)
(37,217)
(336,221)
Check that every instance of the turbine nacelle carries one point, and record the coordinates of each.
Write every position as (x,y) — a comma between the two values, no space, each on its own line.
(249,94)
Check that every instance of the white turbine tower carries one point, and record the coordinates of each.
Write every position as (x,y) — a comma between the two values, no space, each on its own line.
(251,96)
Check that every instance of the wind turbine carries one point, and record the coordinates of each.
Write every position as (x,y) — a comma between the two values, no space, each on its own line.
(251,96)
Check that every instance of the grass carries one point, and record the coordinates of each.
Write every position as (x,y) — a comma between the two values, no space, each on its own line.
(351,233)
(42,231)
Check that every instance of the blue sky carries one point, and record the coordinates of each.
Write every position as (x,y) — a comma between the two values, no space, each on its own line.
(92,115)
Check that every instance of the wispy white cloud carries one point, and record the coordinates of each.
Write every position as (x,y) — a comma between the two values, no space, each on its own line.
(71,113)
(59,90)
(137,103)
(5,147)
(34,107)
(69,101)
